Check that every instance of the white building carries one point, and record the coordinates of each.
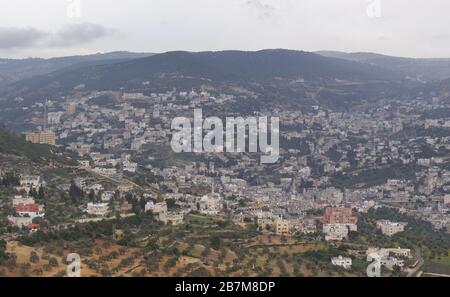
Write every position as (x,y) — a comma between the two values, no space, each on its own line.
(210,204)
(30,181)
(20,221)
(390,228)
(30,210)
(17,200)
(160,207)
(340,261)
(173,218)
(389,256)
(337,231)
(107,196)
(97,209)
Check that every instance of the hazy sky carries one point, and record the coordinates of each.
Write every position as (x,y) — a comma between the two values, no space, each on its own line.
(46,28)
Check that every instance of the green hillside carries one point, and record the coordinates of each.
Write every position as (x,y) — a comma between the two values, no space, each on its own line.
(13,144)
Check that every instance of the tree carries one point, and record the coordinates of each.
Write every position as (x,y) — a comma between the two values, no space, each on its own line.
(3,254)
(10,179)
(92,196)
(41,193)
(75,192)
(33,192)
(215,242)
(34,258)
(142,203)
(53,262)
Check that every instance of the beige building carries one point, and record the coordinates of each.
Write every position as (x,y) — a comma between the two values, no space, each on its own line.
(281,227)
(337,231)
(41,137)
(390,228)
(97,209)
(17,200)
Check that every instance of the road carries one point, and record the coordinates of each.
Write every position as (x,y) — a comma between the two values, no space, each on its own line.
(420,262)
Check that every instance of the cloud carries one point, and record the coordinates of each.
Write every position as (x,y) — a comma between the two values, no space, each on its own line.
(11,38)
(264,10)
(80,34)
(70,35)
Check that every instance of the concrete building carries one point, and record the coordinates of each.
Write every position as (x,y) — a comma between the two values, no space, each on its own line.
(334,215)
(30,210)
(281,227)
(390,228)
(97,209)
(46,137)
(17,200)
(337,232)
(20,221)
(343,262)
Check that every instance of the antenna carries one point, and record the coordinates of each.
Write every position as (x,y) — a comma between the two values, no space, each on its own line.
(45,115)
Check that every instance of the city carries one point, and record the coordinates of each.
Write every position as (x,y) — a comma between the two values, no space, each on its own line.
(266,162)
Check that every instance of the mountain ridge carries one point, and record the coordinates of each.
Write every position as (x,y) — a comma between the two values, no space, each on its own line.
(222,66)
(421,69)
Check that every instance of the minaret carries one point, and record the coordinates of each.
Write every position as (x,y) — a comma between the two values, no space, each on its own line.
(45,116)
(294,185)
(294,188)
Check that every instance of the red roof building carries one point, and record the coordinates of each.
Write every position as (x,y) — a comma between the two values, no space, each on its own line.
(339,216)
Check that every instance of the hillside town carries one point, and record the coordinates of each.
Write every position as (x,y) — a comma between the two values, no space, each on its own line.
(334,166)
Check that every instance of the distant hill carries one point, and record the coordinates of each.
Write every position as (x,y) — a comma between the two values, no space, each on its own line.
(13,144)
(16,69)
(224,66)
(420,69)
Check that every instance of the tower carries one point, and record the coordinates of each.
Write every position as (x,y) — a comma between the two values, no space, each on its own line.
(294,188)
(45,116)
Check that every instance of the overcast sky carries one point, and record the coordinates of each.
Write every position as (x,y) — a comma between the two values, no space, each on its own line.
(47,28)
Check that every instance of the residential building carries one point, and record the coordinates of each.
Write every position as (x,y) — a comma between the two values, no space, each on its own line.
(343,262)
(97,209)
(390,228)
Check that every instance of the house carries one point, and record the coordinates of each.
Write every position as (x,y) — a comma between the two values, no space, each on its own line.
(390,228)
(95,187)
(22,200)
(84,163)
(389,256)
(281,227)
(156,207)
(107,196)
(337,231)
(20,221)
(340,261)
(447,199)
(161,214)
(210,204)
(391,262)
(173,218)
(29,181)
(30,210)
(264,222)
(31,228)
(97,209)
(334,215)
